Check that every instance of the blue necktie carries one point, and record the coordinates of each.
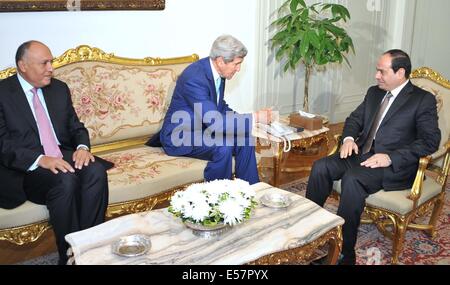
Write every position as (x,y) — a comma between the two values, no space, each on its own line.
(218,82)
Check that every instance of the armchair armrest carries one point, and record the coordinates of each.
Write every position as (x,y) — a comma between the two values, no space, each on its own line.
(416,189)
(337,144)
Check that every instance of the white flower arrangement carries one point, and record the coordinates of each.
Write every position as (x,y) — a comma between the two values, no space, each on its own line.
(220,201)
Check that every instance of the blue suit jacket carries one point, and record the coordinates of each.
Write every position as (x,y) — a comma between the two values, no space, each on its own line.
(194,86)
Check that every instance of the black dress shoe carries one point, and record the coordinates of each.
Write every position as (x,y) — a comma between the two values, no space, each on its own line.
(346,260)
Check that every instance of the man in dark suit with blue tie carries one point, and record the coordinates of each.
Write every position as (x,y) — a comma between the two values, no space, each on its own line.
(200,124)
(384,138)
(44,149)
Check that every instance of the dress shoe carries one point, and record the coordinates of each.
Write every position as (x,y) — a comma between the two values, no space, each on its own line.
(346,260)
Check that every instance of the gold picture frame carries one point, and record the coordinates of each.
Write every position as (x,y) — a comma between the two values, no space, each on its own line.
(79,5)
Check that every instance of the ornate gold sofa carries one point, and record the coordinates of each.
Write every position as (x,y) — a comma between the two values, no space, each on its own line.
(122,102)
(393,212)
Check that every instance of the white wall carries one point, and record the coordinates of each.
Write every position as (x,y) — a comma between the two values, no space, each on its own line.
(431,36)
(183,28)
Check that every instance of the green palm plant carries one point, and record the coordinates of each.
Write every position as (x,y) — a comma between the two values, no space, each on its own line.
(311,35)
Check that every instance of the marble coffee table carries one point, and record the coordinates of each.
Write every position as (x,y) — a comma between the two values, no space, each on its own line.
(270,236)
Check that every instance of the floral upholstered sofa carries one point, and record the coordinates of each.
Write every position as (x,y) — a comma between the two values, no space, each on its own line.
(122,102)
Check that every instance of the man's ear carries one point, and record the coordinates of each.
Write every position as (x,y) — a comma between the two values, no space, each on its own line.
(220,60)
(21,65)
(401,72)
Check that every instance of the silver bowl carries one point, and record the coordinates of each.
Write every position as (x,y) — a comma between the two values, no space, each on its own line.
(132,245)
(276,200)
(207,231)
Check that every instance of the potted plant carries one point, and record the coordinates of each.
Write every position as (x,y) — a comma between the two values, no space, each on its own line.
(312,36)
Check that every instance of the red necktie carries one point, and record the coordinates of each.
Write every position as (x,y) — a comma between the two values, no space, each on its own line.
(48,140)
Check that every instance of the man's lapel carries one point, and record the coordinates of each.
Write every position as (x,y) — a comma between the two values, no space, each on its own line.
(20,100)
(401,99)
(210,77)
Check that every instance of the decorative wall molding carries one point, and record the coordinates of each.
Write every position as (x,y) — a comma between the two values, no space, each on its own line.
(79,5)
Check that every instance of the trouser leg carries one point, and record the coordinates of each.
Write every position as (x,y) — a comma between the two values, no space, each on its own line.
(220,161)
(246,168)
(59,193)
(323,173)
(357,184)
(93,195)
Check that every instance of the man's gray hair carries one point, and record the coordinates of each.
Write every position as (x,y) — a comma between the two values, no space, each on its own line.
(227,47)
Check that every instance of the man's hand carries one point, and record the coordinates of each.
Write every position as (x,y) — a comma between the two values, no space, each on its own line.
(263,116)
(377,160)
(55,164)
(347,148)
(82,157)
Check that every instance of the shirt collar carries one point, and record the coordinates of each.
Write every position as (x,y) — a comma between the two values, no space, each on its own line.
(214,71)
(397,90)
(26,86)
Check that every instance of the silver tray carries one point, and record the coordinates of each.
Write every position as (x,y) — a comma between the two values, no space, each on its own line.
(276,200)
(132,245)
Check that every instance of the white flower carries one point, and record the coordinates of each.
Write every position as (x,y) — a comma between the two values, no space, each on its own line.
(232,212)
(209,203)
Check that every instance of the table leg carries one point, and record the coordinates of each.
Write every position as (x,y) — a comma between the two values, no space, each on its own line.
(334,249)
(277,159)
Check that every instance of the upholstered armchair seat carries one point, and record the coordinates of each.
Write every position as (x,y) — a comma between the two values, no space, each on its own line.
(399,201)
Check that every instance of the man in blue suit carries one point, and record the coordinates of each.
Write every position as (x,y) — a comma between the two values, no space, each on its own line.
(200,124)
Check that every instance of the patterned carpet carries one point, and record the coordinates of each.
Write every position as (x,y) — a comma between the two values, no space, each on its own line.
(373,246)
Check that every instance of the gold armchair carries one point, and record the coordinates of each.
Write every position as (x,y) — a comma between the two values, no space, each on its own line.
(394,212)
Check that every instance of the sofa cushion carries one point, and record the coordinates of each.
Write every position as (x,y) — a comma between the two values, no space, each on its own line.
(144,171)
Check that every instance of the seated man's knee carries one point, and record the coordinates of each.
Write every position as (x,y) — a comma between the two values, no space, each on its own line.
(222,152)
(69,183)
(349,177)
(95,170)
(319,166)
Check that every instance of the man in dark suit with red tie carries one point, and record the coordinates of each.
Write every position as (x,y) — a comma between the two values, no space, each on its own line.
(45,151)
(383,140)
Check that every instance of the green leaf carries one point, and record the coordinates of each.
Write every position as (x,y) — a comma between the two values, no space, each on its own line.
(314,39)
(293,6)
(302,2)
(304,45)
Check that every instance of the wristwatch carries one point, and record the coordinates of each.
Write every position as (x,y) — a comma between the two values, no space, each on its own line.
(83,147)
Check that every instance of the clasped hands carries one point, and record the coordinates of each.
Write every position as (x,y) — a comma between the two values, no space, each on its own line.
(375,161)
(81,157)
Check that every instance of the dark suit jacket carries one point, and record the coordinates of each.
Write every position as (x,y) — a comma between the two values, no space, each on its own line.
(194,86)
(408,131)
(19,136)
